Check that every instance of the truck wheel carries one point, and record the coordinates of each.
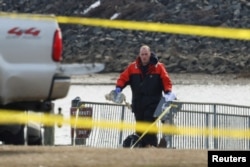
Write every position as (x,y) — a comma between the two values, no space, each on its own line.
(18,139)
(34,134)
(13,137)
(35,142)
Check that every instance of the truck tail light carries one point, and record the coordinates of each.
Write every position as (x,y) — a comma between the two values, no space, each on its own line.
(57,46)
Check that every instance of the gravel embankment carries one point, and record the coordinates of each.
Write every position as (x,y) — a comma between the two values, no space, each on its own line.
(180,79)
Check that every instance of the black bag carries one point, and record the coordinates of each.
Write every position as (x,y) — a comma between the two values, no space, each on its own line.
(130,141)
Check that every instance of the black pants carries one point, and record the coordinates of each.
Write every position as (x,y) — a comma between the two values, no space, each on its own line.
(149,138)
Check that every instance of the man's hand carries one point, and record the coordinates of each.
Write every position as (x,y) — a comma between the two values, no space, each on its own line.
(169,96)
(117,90)
(118,98)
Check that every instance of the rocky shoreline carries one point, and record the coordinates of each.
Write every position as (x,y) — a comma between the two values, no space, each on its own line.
(116,47)
(177,79)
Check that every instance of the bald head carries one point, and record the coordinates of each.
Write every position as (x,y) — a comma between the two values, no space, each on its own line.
(145,54)
(145,47)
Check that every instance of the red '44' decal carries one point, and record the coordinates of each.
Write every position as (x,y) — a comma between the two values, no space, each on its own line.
(18,31)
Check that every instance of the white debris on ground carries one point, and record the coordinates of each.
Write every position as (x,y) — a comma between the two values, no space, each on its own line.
(114,16)
(94,5)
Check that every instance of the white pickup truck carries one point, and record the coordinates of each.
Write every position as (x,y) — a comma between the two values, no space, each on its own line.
(31,73)
(30,70)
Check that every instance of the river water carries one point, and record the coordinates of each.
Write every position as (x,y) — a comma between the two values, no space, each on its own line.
(238,94)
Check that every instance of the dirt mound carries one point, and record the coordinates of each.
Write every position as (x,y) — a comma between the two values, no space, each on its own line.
(66,156)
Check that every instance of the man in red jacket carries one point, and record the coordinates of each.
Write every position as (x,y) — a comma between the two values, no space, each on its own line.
(148,79)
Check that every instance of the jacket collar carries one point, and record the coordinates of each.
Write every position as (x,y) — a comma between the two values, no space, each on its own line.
(152,61)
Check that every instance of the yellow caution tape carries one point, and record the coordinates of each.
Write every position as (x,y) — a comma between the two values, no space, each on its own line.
(7,117)
(28,16)
(205,31)
(218,32)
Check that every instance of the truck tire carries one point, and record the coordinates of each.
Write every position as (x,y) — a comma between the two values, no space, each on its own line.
(35,142)
(15,139)
(19,138)
(34,134)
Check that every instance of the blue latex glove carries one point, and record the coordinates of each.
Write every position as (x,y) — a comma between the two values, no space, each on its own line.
(117,97)
(118,90)
(170,96)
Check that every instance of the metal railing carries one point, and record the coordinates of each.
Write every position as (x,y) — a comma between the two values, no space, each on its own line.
(211,116)
(113,113)
(200,115)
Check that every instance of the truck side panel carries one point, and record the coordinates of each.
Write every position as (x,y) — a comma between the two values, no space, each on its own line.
(27,69)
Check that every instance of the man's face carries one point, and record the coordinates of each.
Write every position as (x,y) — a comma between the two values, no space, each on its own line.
(145,56)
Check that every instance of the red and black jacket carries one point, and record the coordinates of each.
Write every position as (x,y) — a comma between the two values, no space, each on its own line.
(146,86)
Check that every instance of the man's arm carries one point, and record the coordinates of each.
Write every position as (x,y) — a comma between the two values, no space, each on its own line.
(123,79)
(166,81)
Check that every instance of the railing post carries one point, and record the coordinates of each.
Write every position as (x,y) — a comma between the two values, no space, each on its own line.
(207,143)
(248,129)
(73,112)
(171,123)
(122,119)
(215,126)
(49,132)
